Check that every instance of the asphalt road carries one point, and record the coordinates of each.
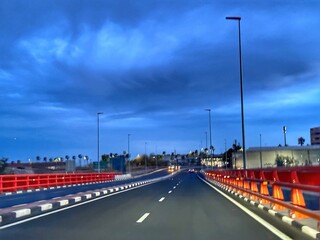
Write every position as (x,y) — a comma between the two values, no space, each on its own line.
(23,198)
(182,207)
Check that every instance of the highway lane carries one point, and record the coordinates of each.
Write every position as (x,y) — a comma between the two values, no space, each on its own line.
(23,198)
(182,207)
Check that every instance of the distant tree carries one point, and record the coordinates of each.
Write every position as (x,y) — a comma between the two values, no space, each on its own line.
(206,151)
(38,158)
(45,159)
(164,153)
(67,157)
(301,141)
(74,157)
(3,164)
(50,159)
(285,161)
(80,158)
(105,157)
(236,146)
(212,148)
(87,159)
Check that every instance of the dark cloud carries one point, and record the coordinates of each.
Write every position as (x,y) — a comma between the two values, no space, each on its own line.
(150,66)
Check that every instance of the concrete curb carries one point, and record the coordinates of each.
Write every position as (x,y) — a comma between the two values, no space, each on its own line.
(303,228)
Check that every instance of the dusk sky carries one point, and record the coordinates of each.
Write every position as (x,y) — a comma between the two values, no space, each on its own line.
(152,68)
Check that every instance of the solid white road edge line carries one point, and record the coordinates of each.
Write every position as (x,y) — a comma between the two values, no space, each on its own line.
(140,220)
(264,223)
(161,199)
(72,206)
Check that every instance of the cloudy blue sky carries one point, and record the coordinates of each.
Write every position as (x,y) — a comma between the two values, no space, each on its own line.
(152,67)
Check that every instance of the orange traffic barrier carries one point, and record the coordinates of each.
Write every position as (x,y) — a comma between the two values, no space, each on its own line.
(276,192)
(263,188)
(296,197)
(253,186)
(246,186)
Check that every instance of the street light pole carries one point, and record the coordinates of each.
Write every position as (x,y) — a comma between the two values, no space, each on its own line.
(145,156)
(129,153)
(285,135)
(241,92)
(211,147)
(98,140)
(206,139)
(260,153)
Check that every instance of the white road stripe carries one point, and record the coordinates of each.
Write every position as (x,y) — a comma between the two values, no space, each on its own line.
(174,187)
(140,220)
(161,199)
(264,223)
(170,192)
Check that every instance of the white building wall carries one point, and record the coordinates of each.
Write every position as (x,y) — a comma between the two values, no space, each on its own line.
(302,156)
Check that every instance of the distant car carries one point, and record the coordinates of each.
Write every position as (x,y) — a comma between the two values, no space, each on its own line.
(191,170)
(171,168)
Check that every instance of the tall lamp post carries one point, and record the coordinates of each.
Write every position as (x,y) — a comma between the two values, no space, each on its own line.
(211,147)
(206,139)
(145,156)
(285,135)
(241,92)
(260,153)
(98,139)
(129,153)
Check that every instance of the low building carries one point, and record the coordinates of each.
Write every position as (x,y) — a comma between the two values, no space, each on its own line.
(315,136)
(287,156)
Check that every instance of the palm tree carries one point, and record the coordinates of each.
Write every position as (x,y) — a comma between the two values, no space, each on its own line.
(45,159)
(67,157)
(80,158)
(38,158)
(87,159)
(301,141)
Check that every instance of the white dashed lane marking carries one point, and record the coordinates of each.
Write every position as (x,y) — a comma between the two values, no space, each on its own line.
(144,216)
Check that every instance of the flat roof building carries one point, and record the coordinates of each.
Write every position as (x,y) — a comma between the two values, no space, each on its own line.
(282,156)
(315,136)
